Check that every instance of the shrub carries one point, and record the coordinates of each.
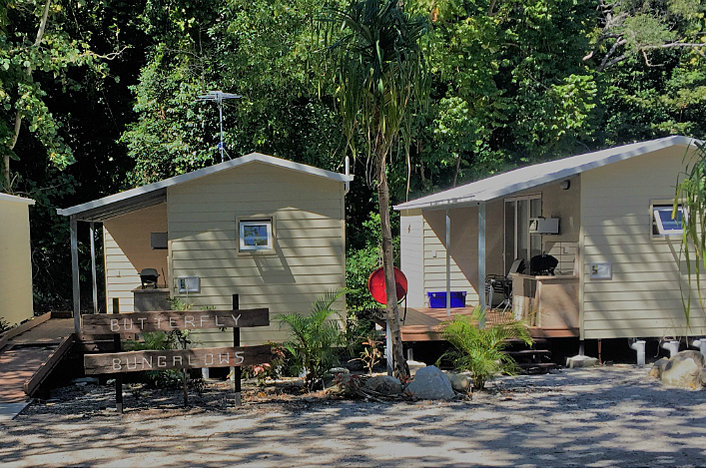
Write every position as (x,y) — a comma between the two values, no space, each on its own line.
(480,351)
(314,338)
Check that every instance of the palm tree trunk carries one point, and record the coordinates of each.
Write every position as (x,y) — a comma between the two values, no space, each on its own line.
(400,368)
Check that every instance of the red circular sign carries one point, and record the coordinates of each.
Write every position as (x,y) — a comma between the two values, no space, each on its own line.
(376,285)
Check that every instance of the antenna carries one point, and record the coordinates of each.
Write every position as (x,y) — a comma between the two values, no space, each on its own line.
(219,96)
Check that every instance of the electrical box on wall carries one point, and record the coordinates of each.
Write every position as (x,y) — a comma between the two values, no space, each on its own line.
(544,225)
(188,284)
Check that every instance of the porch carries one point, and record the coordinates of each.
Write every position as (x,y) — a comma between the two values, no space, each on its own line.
(426,324)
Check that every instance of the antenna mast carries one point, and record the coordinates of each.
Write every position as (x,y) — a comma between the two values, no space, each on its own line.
(219,96)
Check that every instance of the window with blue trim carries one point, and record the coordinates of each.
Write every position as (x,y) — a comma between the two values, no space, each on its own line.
(666,221)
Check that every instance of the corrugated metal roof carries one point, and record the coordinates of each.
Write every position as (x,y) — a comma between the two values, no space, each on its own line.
(154,193)
(532,176)
(16,198)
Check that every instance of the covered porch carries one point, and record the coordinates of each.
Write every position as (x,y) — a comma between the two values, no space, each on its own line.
(468,243)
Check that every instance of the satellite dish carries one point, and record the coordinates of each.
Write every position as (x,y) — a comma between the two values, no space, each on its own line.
(376,285)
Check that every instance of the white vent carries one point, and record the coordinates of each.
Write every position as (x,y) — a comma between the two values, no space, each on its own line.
(188,284)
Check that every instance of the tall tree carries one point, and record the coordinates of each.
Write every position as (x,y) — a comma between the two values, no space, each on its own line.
(380,77)
(34,41)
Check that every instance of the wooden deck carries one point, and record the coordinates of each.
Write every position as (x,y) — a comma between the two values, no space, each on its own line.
(426,324)
(30,352)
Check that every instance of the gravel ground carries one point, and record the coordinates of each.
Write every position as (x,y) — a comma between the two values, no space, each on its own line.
(606,416)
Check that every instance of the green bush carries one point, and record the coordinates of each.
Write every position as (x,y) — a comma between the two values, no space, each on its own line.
(314,338)
(480,351)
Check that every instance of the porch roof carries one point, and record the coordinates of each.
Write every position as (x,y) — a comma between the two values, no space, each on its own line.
(536,175)
(152,194)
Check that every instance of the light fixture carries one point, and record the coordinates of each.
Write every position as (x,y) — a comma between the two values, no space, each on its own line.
(565,184)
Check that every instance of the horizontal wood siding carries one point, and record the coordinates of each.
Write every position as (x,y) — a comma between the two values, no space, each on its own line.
(411,255)
(643,298)
(126,251)
(309,244)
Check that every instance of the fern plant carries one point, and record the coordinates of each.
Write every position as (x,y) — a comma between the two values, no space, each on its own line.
(480,351)
(314,338)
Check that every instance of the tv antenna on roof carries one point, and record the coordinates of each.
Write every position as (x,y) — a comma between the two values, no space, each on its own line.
(219,96)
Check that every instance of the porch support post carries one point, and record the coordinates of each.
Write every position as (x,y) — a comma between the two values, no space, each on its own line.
(481,257)
(448,264)
(93,268)
(74,274)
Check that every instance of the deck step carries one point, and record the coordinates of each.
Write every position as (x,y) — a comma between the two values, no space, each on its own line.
(528,352)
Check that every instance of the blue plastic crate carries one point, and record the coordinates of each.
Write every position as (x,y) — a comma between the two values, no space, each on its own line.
(437,299)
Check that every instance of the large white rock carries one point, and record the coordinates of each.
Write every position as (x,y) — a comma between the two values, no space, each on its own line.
(384,384)
(460,382)
(430,383)
(684,370)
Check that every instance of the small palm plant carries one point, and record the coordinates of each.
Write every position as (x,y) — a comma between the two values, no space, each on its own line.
(480,351)
(314,338)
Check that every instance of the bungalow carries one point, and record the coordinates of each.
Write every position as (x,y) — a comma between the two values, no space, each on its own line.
(15,261)
(604,218)
(270,230)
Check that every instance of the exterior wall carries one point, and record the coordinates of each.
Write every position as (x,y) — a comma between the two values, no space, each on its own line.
(412,255)
(643,298)
(464,249)
(565,205)
(15,261)
(126,251)
(307,261)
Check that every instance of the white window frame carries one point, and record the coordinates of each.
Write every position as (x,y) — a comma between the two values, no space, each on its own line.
(657,220)
(516,254)
(267,222)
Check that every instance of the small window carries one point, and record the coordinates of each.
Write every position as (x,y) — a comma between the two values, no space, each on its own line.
(255,235)
(662,222)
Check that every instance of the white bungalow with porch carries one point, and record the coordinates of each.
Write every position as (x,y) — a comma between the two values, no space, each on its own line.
(604,216)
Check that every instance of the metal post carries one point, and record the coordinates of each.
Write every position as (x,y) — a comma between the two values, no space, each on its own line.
(481,259)
(448,264)
(93,268)
(220,116)
(74,275)
(119,377)
(388,348)
(237,372)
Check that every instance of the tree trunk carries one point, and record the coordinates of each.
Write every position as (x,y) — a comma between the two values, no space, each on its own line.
(400,368)
(18,114)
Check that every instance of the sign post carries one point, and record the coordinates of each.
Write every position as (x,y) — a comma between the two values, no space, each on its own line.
(120,362)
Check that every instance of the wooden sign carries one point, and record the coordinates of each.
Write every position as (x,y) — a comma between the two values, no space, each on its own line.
(151,321)
(152,360)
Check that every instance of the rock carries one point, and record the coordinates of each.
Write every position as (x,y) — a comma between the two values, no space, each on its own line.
(430,383)
(414,366)
(684,370)
(658,368)
(460,382)
(384,384)
(85,381)
(581,361)
(338,370)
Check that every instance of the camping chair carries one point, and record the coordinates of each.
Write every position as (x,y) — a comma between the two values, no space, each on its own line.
(498,288)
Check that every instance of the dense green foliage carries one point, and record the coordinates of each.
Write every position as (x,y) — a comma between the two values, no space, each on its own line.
(690,194)
(314,338)
(109,100)
(480,351)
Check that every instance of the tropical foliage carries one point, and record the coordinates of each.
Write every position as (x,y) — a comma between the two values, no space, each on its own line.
(109,101)
(480,351)
(314,338)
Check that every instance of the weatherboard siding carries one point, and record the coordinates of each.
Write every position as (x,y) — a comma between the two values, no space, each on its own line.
(643,298)
(127,250)
(411,255)
(308,259)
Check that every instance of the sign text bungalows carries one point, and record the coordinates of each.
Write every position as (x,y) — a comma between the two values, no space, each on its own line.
(152,321)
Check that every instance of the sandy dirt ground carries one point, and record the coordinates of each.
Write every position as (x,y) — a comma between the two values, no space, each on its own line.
(607,416)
